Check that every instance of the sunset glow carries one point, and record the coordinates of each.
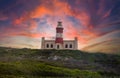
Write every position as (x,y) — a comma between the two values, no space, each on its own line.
(24,22)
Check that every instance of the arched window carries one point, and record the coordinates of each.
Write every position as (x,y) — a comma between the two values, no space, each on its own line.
(66,46)
(70,46)
(51,45)
(47,45)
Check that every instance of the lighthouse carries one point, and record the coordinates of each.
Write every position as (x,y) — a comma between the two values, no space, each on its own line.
(59,36)
(59,43)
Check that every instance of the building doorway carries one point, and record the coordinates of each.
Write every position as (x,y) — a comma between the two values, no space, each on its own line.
(58,46)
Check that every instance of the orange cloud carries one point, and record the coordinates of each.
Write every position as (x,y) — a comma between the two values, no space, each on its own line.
(85,19)
(57,8)
(28,34)
(72,32)
(40,11)
(89,33)
(33,35)
(10,32)
(33,25)
(23,18)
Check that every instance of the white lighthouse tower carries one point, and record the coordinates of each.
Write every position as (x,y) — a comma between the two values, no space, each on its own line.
(59,36)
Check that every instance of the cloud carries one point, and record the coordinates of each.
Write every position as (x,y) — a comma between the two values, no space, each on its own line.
(107,13)
(84,19)
(61,9)
(23,33)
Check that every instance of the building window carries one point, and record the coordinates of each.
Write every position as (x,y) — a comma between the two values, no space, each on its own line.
(66,46)
(70,46)
(51,45)
(47,45)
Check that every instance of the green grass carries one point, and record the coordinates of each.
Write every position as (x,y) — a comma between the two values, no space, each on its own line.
(38,69)
(34,63)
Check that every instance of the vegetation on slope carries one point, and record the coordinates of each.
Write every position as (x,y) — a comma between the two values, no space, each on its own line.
(36,69)
(33,63)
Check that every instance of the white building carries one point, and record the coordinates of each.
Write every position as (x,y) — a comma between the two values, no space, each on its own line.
(59,42)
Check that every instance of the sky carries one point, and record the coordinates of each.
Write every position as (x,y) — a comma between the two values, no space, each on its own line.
(24,22)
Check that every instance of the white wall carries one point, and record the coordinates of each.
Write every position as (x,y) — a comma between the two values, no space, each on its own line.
(49,43)
(66,42)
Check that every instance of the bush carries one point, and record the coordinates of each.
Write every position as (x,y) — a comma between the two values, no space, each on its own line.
(31,68)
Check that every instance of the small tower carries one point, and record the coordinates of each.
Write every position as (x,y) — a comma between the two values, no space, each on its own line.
(76,43)
(42,43)
(59,36)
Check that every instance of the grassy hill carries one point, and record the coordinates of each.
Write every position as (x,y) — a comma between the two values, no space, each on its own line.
(34,63)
